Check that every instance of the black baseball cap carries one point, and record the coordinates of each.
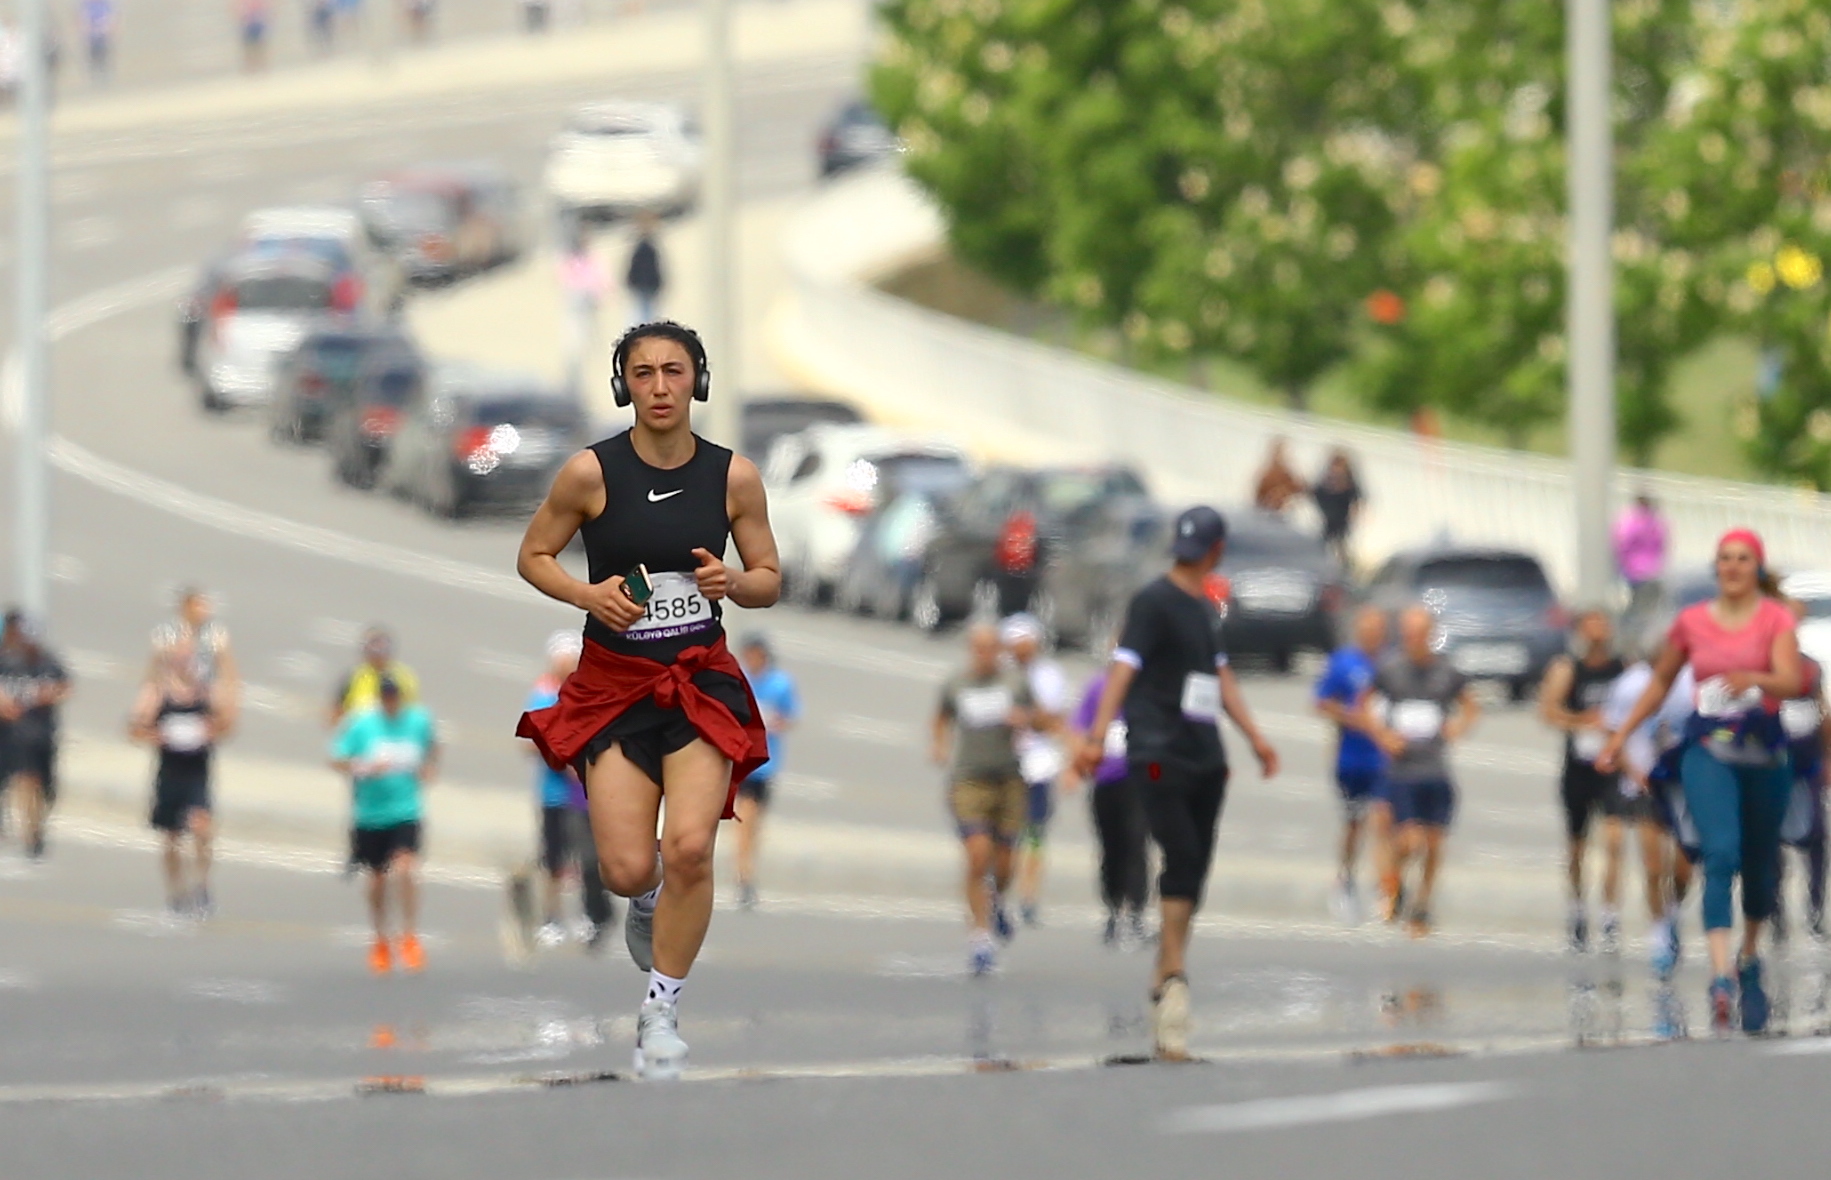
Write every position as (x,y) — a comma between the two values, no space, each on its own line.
(1197,530)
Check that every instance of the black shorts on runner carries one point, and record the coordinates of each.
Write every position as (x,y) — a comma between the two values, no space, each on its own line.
(559,845)
(647,733)
(1183,808)
(1585,790)
(36,758)
(376,847)
(180,788)
(756,789)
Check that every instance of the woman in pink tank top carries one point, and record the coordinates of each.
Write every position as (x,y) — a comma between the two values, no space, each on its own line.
(1744,654)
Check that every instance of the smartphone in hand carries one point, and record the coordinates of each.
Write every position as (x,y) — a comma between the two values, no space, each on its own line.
(637,586)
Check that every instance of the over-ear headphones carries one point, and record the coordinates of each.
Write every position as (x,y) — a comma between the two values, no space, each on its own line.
(680,334)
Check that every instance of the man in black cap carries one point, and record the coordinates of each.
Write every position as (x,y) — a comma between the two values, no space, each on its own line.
(1171,677)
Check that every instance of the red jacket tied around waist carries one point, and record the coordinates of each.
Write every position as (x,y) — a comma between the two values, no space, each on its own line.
(607,683)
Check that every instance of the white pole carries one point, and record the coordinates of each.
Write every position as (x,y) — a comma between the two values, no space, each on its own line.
(718,203)
(1591,297)
(32,507)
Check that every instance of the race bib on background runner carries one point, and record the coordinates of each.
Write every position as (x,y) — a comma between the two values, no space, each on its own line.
(1202,697)
(396,757)
(1115,740)
(1800,719)
(983,708)
(1714,699)
(184,732)
(676,608)
(1417,721)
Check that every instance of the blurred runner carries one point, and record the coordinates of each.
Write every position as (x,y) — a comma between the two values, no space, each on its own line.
(390,753)
(781,704)
(419,20)
(252,18)
(1277,485)
(1667,868)
(1419,705)
(1640,536)
(323,19)
(1172,678)
(1339,501)
(1744,652)
(33,684)
(205,642)
(1039,752)
(1806,721)
(659,703)
(1119,820)
(1359,764)
(174,714)
(1571,698)
(644,277)
(981,709)
(566,851)
(98,19)
(361,690)
(583,282)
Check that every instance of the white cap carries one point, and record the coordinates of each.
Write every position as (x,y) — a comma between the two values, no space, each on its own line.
(564,643)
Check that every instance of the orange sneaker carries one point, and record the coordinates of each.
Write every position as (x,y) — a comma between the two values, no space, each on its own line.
(380,961)
(413,955)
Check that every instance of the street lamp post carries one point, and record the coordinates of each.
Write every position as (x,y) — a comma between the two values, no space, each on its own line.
(718,204)
(31,506)
(1590,302)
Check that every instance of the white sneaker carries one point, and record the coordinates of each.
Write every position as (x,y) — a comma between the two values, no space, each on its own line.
(1170,1020)
(1345,903)
(583,929)
(639,936)
(549,936)
(660,1053)
(981,955)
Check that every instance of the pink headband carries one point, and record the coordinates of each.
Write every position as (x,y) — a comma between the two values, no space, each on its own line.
(1747,537)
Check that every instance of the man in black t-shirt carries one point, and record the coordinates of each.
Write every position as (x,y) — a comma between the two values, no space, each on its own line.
(32,685)
(1172,678)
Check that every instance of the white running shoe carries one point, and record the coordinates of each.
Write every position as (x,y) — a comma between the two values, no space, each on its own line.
(549,936)
(1170,1020)
(660,1053)
(639,936)
(981,955)
(1345,902)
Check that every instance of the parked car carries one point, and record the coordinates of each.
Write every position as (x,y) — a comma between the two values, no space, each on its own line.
(261,307)
(1285,591)
(880,579)
(855,135)
(825,480)
(616,158)
(768,418)
(320,374)
(993,541)
(445,221)
(364,424)
(1497,615)
(472,438)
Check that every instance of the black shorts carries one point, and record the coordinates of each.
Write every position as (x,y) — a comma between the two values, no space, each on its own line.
(376,847)
(647,733)
(33,756)
(1183,808)
(559,839)
(756,789)
(1585,790)
(181,786)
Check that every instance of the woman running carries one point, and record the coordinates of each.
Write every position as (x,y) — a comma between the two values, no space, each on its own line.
(659,705)
(1744,653)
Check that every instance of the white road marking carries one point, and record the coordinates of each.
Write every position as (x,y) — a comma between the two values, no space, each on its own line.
(873,729)
(806,787)
(1268,1114)
(15,981)
(236,991)
(503,665)
(91,665)
(335,632)
(302,665)
(68,569)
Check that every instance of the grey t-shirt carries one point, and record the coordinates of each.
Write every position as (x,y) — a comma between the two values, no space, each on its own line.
(1418,700)
(985,746)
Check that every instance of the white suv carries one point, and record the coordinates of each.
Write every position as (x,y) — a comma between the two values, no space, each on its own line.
(616,158)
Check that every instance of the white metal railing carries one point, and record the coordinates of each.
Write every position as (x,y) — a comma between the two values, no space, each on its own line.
(948,375)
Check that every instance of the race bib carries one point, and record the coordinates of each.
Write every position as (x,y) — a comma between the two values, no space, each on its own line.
(1800,718)
(1714,699)
(184,732)
(1041,763)
(1588,743)
(983,708)
(1202,697)
(394,757)
(676,608)
(1417,721)
(1115,740)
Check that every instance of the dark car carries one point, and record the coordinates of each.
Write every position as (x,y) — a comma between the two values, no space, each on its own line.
(768,418)
(473,438)
(1497,615)
(320,375)
(881,578)
(442,222)
(991,544)
(1285,591)
(365,422)
(856,135)
(1110,547)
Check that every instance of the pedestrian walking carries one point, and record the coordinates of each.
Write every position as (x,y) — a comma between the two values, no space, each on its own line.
(1119,821)
(1743,649)
(1338,498)
(175,714)
(252,17)
(33,688)
(1171,677)
(1360,765)
(1640,539)
(1040,757)
(98,19)
(566,851)
(322,25)
(644,278)
(1277,484)
(982,708)
(583,281)
(780,701)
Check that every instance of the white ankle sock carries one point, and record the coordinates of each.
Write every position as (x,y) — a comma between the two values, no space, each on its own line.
(646,903)
(664,987)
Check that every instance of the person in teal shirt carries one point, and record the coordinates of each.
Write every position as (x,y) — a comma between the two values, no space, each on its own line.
(781,704)
(389,752)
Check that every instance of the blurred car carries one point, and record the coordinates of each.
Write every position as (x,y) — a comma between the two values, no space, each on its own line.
(1497,615)
(993,541)
(1285,591)
(365,421)
(442,222)
(880,579)
(261,307)
(856,135)
(768,418)
(824,482)
(1109,548)
(474,438)
(616,158)
(320,374)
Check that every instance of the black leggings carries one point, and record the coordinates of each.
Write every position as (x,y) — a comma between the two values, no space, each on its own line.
(1184,809)
(1119,818)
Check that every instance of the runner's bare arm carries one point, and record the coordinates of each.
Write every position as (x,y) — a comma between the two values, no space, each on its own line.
(760,584)
(227,692)
(1553,688)
(1666,667)
(577,495)
(1119,677)
(1787,677)
(938,746)
(140,720)
(1468,712)
(1233,703)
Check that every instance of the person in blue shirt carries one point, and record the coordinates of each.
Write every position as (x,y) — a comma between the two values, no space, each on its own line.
(390,752)
(567,851)
(1359,763)
(781,704)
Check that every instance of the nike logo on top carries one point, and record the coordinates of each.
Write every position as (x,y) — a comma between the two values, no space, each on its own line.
(655,497)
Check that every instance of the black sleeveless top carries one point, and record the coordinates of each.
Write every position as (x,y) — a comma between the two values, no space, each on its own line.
(1589,685)
(656,517)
